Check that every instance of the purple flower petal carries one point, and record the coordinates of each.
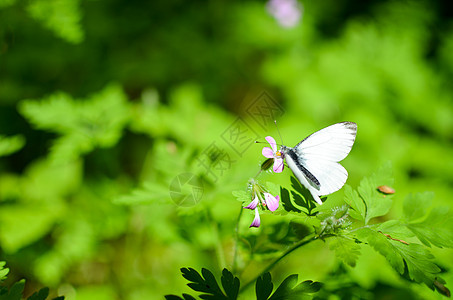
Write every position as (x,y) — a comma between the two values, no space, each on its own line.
(267,152)
(272,142)
(271,201)
(278,165)
(253,204)
(256,221)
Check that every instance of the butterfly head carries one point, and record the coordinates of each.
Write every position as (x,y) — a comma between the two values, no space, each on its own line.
(283,150)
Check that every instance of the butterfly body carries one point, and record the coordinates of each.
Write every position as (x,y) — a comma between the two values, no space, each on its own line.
(315,160)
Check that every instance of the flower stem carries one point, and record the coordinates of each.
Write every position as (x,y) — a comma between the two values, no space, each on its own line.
(277,260)
(236,240)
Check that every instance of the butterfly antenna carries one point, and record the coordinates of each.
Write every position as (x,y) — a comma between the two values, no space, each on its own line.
(275,122)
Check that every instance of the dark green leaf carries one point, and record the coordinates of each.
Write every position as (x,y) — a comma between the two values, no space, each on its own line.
(40,295)
(206,284)
(230,284)
(264,287)
(3,271)
(15,293)
(173,297)
(286,201)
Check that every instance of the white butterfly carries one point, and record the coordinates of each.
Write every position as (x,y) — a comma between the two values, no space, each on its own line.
(314,161)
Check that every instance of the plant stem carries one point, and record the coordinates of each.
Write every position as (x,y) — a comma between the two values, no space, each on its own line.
(277,260)
(236,240)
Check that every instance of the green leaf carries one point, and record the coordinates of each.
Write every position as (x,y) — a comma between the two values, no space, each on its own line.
(263,287)
(61,17)
(289,289)
(286,201)
(11,144)
(3,271)
(353,199)
(242,196)
(206,284)
(40,295)
(15,293)
(413,260)
(230,284)
(345,249)
(376,203)
(436,229)
(415,206)
(6,3)
(83,125)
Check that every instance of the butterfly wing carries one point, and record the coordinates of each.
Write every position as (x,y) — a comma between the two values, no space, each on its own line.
(320,153)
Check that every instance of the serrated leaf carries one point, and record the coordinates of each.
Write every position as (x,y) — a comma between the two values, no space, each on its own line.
(396,229)
(3,271)
(242,196)
(230,284)
(353,199)
(415,206)
(302,196)
(345,249)
(206,284)
(263,287)
(288,290)
(83,125)
(412,259)
(436,229)
(173,297)
(376,203)
(40,295)
(15,293)
(286,201)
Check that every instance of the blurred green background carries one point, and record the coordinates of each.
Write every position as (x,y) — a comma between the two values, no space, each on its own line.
(103,104)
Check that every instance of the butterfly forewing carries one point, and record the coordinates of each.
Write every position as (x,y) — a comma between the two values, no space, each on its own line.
(332,143)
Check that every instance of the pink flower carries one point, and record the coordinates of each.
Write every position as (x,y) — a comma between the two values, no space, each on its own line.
(256,221)
(287,12)
(269,201)
(274,153)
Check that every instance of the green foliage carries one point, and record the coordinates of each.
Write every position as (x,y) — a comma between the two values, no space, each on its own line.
(368,203)
(11,144)
(288,289)
(435,227)
(82,125)
(412,260)
(15,292)
(207,284)
(3,271)
(345,249)
(61,17)
(86,204)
